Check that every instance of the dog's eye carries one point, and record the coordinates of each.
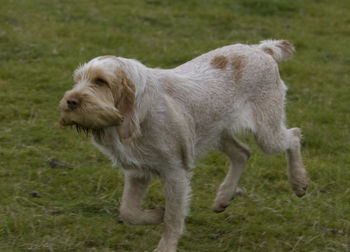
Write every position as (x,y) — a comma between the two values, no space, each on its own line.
(100,82)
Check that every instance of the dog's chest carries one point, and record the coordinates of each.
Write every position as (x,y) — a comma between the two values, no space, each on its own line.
(122,155)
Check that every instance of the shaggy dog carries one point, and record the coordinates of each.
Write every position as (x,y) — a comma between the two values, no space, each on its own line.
(156,122)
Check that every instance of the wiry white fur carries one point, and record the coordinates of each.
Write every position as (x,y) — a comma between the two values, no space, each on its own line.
(191,109)
(281,51)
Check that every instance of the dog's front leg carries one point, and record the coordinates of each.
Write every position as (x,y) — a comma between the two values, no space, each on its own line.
(131,211)
(177,189)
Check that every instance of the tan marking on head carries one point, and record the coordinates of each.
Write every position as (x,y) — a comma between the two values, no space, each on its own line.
(107,57)
(238,63)
(126,93)
(219,62)
(124,96)
(95,73)
(89,74)
(117,86)
(269,51)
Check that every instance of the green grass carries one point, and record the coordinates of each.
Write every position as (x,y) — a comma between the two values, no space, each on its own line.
(41,43)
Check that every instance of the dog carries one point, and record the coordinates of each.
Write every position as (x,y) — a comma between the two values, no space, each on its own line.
(155,122)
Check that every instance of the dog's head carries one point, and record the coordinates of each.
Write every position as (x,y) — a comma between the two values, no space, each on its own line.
(102,96)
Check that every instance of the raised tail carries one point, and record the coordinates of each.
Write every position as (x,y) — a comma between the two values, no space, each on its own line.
(278,49)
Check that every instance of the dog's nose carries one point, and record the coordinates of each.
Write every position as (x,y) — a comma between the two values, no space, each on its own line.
(73,103)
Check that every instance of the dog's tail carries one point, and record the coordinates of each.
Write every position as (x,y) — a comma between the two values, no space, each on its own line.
(278,49)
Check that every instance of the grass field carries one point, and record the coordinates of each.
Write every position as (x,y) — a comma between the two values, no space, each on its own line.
(58,193)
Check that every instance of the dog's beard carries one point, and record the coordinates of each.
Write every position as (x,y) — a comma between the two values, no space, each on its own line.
(91,120)
(83,130)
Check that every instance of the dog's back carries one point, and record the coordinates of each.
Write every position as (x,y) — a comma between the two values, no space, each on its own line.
(225,86)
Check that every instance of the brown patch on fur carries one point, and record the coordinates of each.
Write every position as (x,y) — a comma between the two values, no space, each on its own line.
(219,62)
(238,63)
(96,73)
(269,51)
(123,91)
(286,47)
(127,98)
(91,74)
(124,96)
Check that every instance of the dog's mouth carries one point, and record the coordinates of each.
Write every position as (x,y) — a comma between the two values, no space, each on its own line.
(88,117)
(81,128)
(97,117)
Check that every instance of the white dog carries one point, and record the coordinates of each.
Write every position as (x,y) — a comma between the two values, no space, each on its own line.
(156,122)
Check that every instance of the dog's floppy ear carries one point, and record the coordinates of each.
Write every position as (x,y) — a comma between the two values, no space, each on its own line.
(124,97)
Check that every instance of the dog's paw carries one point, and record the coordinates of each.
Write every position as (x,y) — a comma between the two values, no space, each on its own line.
(300,188)
(223,199)
(219,207)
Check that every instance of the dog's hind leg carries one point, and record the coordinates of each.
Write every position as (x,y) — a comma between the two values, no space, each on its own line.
(273,137)
(238,155)
(286,140)
(131,211)
(296,170)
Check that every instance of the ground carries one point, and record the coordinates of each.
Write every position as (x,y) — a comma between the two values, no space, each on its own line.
(58,193)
